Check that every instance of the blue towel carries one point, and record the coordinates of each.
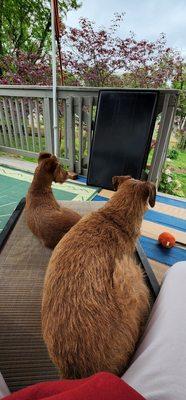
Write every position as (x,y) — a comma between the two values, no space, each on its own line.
(151,247)
(172,202)
(163,255)
(165,219)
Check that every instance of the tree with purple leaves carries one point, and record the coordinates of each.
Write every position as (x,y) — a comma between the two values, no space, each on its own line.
(98,57)
(91,56)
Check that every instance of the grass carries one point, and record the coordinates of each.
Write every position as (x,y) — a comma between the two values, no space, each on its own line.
(19,157)
(180,163)
(178,166)
(182,179)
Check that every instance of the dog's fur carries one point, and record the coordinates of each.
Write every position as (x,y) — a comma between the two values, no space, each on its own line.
(95,300)
(45,218)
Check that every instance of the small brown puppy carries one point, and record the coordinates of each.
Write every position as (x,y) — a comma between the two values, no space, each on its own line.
(95,300)
(45,218)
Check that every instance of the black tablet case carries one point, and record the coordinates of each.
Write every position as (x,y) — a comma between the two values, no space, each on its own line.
(122,136)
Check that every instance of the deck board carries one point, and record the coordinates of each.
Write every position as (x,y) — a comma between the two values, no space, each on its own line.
(153,230)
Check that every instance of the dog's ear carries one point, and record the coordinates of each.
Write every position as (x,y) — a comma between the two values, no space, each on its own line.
(117,180)
(148,191)
(43,156)
(152,195)
(51,164)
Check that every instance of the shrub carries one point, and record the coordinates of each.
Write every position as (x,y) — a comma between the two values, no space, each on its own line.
(173,154)
(170,184)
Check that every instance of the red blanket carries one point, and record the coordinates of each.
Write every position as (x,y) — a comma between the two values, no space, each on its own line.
(101,386)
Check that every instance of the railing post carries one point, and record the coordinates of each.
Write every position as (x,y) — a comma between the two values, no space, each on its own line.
(71,132)
(165,128)
(80,134)
(2,119)
(48,124)
(16,126)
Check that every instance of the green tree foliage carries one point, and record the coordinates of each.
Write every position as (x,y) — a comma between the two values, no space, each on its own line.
(25,25)
(181,109)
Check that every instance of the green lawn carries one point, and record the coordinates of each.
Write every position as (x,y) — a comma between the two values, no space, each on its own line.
(31,159)
(178,166)
(180,163)
(182,179)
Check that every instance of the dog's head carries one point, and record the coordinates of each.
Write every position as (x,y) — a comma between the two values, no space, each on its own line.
(51,166)
(138,191)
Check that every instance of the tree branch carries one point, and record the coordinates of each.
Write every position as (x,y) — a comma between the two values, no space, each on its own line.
(1,25)
(43,38)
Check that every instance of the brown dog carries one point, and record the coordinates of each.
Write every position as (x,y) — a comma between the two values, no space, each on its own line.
(95,301)
(45,218)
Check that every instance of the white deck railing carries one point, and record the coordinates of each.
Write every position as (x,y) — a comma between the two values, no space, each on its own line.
(26,125)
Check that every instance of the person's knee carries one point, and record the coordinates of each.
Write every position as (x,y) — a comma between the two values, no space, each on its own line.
(178,269)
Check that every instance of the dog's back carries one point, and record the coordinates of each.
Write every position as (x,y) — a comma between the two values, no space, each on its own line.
(45,218)
(95,300)
(81,318)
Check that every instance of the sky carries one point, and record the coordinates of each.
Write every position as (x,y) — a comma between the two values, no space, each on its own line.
(146,18)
